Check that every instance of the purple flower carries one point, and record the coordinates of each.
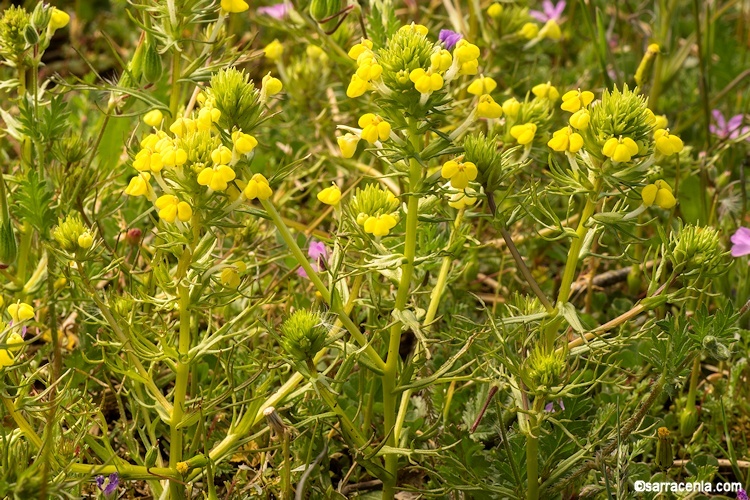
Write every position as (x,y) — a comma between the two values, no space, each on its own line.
(551,11)
(742,495)
(728,129)
(318,253)
(550,407)
(449,38)
(276,11)
(111,483)
(741,242)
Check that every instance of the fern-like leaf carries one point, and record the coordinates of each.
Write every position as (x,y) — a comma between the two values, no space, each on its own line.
(32,203)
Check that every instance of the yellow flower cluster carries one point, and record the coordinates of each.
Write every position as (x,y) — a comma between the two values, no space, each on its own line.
(19,312)
(368,69)
(666,143)
(620,149)
(194,148)
(524,133)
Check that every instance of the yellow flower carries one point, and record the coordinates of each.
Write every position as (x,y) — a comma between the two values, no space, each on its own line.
(426,82)
(369,70)
(6,355)
(550,30)
(566,140)
(174,156)
(659,194)
(574,100)
(147,160)
(459,173)
(153,118)
(441,61)
(243,143)
(545,90)
(374,128)
(20,311)
(171,208)
(315,52)
(274,50)
(380,225)
(139,185)
(660,121)
(348,145)
(422,30)
(257,187)
(620,150)
(234,6)
(6,358)
(495,10)
(529,31)
(330,195)
(524,133)
(488,108)
(360,48)
(462,199)
(271,85)
(206,117)
(217,177)
(85,240)
(221,156)
(357,87)
(59,19)
(466,52)
(230,277)
(482,85)
(666,143)
(580,119)
(511,107)
(182,127)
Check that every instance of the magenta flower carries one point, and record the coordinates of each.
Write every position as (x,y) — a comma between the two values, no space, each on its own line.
(318,252)
(742,495)
(449,38)
(550,11)
(731,129)
(550,407)
(741,242)
(276,11)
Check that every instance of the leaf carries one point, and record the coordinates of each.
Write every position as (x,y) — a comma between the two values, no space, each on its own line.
(33,200)
(569,313)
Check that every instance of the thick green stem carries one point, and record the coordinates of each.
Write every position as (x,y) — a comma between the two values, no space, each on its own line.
(390,374)
(182,373)
(437,292)
(174,97)
(532,451)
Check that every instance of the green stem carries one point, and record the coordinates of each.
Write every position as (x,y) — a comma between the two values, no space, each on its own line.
(302,260)
(532,451)
(693,388)
(126,471)
(22,423)
(437,292)
(182,373)
(390,373)
(174,97)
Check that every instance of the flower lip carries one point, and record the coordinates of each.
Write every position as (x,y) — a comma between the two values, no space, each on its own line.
(449,38)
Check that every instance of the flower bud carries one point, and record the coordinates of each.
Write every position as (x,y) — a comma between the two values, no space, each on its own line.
(324,9)
(68,231)
(688,422)
(152,67)
(30,35)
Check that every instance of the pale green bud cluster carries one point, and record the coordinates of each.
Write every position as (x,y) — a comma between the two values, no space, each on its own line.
(619,115)
(696,249)
(72,235)
(13,27)
(483,152)
(237,98)
(303,334)
(374,209)
(543,370)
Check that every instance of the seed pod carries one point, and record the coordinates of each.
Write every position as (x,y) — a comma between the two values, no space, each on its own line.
(152,67)
(30,35)
(664,452)
(151,455)
(324,9)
